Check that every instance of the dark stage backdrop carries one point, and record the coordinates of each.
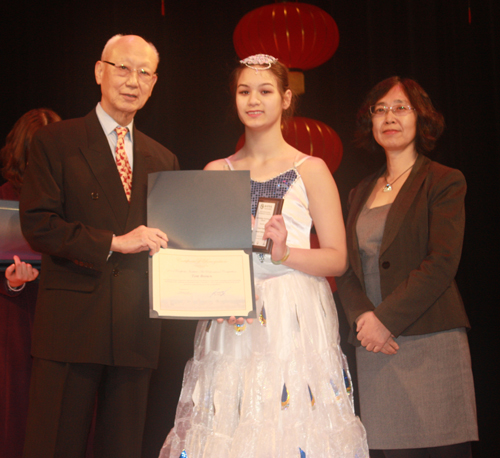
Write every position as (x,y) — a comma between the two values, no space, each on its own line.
(48,52)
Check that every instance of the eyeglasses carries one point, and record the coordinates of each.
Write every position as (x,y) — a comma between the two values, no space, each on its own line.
(398,110)
(143,74)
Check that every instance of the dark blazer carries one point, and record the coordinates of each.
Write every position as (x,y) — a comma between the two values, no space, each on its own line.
(90,309)
(419,254)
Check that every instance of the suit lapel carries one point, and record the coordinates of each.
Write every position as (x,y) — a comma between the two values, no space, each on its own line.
(100,160)
(403,201)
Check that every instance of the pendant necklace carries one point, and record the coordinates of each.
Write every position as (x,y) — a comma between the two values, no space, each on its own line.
(388,186)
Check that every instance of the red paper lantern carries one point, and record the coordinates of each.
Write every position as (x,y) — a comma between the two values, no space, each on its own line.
(300,35)
(311,137)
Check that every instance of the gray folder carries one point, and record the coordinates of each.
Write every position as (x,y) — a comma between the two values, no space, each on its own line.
(11,238)
(200,209)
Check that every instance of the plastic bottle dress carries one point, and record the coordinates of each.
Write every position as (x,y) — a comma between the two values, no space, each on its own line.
(279,387)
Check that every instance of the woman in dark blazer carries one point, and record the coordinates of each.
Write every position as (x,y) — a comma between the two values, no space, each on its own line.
(404,236)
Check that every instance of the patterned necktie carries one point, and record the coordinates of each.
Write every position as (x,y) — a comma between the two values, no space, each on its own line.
(122,162)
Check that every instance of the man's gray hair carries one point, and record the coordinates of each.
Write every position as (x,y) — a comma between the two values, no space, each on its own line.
(114,39)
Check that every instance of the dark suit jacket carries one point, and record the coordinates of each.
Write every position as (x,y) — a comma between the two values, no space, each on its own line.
(90,309)
(419,254)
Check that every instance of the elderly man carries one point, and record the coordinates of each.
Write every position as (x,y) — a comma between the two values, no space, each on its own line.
(83,206)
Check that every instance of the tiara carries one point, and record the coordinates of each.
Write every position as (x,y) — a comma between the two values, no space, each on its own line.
(259,59)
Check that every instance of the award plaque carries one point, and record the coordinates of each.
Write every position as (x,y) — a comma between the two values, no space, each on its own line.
(266,208)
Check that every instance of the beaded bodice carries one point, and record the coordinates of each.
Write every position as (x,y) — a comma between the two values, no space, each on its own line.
(290,187)
(274,188)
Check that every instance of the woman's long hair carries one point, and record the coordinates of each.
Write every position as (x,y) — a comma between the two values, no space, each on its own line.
(14,155)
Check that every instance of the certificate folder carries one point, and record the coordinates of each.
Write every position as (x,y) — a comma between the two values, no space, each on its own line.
(12,241)
(206,271)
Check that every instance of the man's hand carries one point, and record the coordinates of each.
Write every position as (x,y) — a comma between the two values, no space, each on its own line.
(19,273)
(140,239)
(374,336)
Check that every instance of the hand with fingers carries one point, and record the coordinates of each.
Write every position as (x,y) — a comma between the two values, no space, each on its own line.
(275,230)
(390,347)
(233,320)
(19,273)
(142,238)
(374,336)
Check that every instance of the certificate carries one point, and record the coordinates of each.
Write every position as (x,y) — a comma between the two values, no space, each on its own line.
(207,270)
(266,208)
(211,283)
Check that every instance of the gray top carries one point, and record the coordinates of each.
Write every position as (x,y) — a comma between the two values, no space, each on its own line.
(370,229)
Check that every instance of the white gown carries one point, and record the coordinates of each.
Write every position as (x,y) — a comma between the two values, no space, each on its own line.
(279,387)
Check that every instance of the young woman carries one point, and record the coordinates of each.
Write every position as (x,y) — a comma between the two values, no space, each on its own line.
(279,386)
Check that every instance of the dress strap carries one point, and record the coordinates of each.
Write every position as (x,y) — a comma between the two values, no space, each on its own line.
(297,164)
(228,162)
